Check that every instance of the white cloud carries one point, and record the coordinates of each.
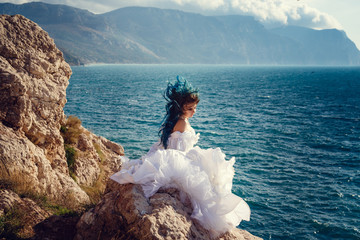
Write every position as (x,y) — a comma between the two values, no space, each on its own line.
(311,17)
(267,11)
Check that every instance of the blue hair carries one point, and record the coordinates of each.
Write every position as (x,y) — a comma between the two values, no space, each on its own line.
(176,95)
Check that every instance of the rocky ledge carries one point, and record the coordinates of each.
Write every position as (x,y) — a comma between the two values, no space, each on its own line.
(52,168)
(125,213)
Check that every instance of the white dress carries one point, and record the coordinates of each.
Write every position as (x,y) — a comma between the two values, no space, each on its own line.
(202,174)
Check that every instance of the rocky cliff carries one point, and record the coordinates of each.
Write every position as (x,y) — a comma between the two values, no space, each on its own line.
(51,165)
(34,128)
(33,81)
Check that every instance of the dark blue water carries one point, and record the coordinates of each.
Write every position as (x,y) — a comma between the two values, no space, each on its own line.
(295,132)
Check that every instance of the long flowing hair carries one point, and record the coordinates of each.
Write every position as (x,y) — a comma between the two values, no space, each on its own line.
(176,95)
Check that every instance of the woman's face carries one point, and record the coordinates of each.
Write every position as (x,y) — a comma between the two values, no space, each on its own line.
(189,110)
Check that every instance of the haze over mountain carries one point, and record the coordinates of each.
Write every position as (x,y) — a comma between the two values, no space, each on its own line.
(152,35)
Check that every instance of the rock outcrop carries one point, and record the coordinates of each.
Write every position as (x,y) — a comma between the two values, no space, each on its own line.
(33,81)
(125,213)
(10,201)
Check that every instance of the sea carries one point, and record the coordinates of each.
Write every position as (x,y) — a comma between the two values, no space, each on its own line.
(294,131)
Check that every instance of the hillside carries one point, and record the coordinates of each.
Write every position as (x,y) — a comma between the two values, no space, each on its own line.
(152,35)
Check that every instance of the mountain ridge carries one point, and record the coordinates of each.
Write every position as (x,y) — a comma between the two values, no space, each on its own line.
(154,35)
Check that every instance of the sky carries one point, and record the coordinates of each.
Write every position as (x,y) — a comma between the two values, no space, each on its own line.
(317,14)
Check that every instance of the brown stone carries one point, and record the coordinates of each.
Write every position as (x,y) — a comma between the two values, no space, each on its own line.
(56,228)
(27,212)
(125,213)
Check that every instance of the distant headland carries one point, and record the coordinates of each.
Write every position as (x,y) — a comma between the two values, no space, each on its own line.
(152,35)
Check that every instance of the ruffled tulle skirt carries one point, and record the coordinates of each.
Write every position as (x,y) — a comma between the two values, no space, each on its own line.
(202,174)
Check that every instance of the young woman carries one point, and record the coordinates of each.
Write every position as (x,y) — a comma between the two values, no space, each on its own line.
(202,175)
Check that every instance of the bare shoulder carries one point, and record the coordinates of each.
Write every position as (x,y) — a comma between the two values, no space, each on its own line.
(180,126)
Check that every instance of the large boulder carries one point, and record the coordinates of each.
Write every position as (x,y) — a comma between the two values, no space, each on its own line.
(125,213)
(33,81)
(34,77)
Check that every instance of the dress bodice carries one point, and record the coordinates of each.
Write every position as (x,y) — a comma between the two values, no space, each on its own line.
(182,141)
